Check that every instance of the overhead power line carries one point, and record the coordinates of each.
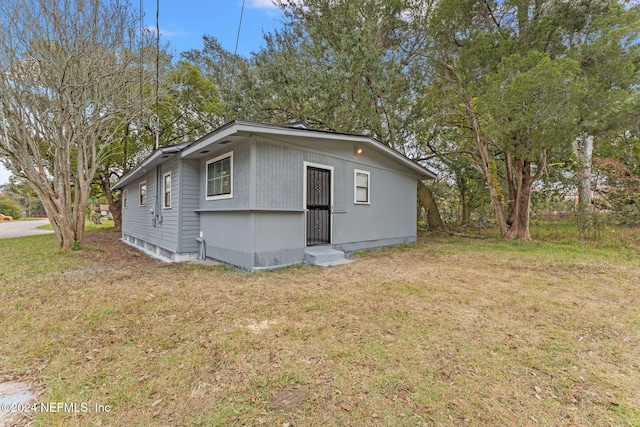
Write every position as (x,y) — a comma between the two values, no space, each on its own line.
(235,51)
(157,73)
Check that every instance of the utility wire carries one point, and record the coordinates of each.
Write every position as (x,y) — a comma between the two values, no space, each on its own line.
(157,72)
(235,51)
(141,47)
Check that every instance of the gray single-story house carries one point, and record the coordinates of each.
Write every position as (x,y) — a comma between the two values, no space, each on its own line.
(259,196)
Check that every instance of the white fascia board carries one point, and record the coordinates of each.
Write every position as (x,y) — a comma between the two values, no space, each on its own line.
(211,139)
(419,169)
(308,133)
(139,170)
(361,139)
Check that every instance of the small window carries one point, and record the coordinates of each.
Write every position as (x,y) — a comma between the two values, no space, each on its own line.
(143,193)
(220,177)
(166,190)
(361,191)
(125,198)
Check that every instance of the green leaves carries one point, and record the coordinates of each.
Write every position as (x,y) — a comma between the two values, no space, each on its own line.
(190,106)
(530,102)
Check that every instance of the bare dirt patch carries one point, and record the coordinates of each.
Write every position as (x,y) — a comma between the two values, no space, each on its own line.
(289,398)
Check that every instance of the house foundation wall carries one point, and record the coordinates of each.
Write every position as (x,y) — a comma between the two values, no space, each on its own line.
(254,239)
(349,248)
(158,252)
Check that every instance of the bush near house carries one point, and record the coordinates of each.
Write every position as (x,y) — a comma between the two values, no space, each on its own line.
(9,207)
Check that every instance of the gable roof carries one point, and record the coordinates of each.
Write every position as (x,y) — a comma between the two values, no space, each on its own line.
(245,127)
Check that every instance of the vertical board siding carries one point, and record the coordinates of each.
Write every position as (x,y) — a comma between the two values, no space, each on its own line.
(280,172)
(340,176)
(279,177)
(241,176)
(391,214)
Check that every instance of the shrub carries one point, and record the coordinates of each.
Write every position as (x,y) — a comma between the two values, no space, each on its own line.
(621,192)
(9,207)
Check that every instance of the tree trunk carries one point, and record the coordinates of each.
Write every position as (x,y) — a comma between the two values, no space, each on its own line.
(429,204)
(465,216)
(583,150)
(490,172)
(519,229)
(116,212)
(115,206)
(512,191)
(487,163)
(55,208)
(523,183)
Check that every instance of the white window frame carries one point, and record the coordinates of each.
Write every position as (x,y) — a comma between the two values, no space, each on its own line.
(164,191)
(125,198)
(146,193)
(206,177)
(355,186)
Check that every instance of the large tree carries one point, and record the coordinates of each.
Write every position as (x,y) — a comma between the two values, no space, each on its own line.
(188,107)
(603,38)
(225,70)
(508,68)
(67,78)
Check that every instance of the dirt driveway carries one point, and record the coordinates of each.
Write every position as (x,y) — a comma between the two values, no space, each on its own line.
(22,228)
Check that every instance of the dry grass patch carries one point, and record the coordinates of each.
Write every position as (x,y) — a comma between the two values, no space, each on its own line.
(445,332)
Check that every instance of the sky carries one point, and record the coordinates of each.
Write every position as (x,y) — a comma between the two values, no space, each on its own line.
(184,22)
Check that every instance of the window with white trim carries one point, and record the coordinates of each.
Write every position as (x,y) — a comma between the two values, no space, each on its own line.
(125,197)
(142,193)
(361,187)
(166,190)
(220,177)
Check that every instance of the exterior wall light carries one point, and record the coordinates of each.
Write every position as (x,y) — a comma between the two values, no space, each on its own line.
(357,150)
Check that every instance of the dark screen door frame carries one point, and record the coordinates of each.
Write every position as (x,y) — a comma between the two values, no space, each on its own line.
(317,204)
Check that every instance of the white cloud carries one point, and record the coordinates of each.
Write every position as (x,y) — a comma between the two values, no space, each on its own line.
(261,4)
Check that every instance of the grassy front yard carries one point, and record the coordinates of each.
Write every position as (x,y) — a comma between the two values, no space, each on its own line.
(444,332)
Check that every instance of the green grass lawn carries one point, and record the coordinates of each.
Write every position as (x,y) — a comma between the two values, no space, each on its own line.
(89,225)
(449,331)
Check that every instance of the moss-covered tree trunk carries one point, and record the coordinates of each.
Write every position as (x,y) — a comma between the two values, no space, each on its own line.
(428,202)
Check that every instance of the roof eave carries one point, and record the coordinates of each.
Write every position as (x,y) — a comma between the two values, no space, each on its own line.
(236,127)
(423,172)
(158,157)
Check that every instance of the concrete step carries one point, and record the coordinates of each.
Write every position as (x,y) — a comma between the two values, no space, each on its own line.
(324,256)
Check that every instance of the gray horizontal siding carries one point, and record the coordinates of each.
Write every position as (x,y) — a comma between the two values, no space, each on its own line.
(189,202)
(138,220)
(167,231)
